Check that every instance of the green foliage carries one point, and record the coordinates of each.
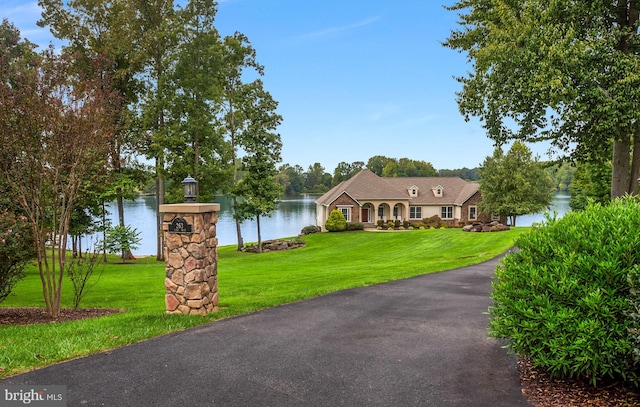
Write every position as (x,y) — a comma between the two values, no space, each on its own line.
(634,313)
(16,249)
(336,222)
(433,222)
(122,239)
(79,271)
(469,174)
(354,226)
(592,182)
(563,298)
(561,175)
(307,230)
(403,167)
(561,71)
(514,184)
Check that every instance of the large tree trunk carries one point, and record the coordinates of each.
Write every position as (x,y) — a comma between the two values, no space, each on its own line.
(620,170)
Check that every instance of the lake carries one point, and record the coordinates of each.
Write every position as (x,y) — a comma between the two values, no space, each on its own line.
(291,215)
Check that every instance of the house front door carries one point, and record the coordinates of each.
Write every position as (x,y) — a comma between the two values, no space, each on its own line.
(365,215)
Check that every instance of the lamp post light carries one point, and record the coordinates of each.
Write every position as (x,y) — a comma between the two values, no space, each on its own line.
(189,186)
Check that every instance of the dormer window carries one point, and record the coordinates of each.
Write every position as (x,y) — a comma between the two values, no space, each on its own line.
(437,191)
(413,191)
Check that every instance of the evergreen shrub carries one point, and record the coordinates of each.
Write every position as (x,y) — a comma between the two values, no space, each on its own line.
(307,230)
(433,222)
(354,226)
(564,298)
(336,222)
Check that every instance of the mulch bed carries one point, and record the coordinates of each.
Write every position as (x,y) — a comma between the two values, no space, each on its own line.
(542,391)
(28,316)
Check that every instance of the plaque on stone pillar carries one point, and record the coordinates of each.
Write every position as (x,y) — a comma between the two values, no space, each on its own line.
(180,225)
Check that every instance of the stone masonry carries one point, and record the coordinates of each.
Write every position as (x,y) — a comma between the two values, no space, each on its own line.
(191,259)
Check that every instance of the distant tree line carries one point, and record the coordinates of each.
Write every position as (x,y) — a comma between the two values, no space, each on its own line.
(316,179)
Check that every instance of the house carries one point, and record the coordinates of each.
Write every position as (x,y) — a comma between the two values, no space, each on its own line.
(368,198)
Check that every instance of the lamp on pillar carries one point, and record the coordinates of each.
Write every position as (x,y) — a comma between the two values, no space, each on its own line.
(189,186)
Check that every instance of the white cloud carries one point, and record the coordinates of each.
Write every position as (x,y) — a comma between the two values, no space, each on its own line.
(333,31)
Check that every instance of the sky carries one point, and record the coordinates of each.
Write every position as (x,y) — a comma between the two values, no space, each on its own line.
(353,78)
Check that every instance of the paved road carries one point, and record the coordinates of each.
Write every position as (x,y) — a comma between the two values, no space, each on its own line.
(415,342)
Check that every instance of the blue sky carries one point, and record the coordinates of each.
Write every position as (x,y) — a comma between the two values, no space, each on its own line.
(353,79)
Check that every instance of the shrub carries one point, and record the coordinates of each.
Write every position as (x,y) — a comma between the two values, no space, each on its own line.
(564,298)
(391,225)
(354,226)
(433,222)
(307,230)
(336,222)
(380,223)
(16,249)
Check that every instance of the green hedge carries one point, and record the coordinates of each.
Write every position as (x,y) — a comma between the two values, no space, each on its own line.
(565,300)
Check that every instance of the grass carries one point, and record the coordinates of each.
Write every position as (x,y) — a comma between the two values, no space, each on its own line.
(247,282)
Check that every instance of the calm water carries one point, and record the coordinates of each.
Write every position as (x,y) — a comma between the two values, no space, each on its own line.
(289,218)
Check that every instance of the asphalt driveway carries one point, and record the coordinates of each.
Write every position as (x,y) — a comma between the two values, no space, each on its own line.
(415,342)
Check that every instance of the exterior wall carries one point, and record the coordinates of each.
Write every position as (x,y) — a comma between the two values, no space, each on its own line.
(482,217)
(345,200)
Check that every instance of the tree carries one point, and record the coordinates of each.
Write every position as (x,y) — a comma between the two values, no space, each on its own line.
(513,184)
(258,188)
(377,163)
(113,31)
(344,171)
(55,130)
(291,178)
(122,239)
(316,179)
(590,184)
(196,146)
(566,71)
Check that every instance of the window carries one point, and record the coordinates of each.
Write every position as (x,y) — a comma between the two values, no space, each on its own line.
(473,212)
(346,211)
(415,212)
(381,212)
(446,212)
(495,216)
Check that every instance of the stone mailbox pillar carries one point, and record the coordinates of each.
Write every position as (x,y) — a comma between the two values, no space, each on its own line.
(191,257)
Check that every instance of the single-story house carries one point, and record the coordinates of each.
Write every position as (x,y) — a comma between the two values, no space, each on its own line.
(367,198)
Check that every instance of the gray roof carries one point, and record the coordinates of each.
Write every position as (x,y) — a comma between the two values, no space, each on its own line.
(366,185)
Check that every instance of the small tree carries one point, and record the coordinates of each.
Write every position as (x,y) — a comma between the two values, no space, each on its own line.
(122,239)
(514,184)
(336,222)
(80,270)
(55,129)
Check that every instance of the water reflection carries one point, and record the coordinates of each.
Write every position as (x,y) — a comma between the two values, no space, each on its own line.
(291,215)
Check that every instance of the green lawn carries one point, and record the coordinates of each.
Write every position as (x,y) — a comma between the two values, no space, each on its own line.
(247,282)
